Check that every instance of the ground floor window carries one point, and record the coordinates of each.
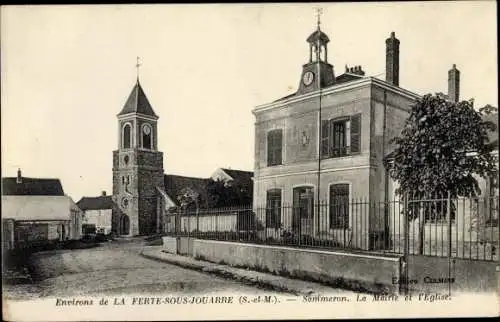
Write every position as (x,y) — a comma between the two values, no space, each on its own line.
(273,208)
(339,206)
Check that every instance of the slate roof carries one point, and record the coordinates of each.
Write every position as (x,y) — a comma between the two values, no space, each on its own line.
(347,77)
(137,102)
(318,35)
(175,184)
(240,176)
(96,203)
(31,187)
(344,78)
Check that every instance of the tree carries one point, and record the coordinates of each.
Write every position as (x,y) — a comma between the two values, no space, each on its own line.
(228,194)
(440,149)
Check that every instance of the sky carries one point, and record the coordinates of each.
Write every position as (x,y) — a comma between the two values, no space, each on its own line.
(66,71)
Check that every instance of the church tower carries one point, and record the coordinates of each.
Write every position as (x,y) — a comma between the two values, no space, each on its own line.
(137,167)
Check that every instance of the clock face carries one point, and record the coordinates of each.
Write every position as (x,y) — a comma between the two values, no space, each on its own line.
(308,78)
(146,130)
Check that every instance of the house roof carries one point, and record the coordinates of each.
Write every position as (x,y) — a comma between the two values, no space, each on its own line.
(36,207)
(96,203)
(31,187)
(344,78)
(240,176)
(137,102)
(174,185)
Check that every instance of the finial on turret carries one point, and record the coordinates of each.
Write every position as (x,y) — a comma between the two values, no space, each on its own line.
(137,65)
(319,12)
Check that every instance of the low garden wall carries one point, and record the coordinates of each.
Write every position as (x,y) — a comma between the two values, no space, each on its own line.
(340,269)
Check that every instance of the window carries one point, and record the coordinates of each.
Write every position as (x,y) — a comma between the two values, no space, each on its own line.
(127,129)
(146,136)
(341,136)
(303,207)
(339,206)
(273,208)
(274,147)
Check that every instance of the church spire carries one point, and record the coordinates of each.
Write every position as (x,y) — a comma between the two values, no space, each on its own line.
(137,101)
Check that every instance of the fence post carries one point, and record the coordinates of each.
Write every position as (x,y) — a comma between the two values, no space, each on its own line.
(421,225)
(197,218)
(404,263)
(448,218)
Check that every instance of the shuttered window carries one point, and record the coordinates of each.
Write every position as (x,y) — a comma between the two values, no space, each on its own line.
(356,133)
(274,147)
(273,208)
(341,136)
(339,206)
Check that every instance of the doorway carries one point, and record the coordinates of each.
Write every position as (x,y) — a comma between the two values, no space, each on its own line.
(124,225)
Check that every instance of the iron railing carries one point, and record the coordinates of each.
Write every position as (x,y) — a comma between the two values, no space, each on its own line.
(459,227)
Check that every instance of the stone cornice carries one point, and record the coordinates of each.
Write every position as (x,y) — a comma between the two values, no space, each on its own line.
(337,89)
(137,115)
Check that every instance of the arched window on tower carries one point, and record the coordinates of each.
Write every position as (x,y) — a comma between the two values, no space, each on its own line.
(146,136)
(127,129)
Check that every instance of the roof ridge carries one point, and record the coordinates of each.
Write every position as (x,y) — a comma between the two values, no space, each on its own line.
(181,176)
(33,178)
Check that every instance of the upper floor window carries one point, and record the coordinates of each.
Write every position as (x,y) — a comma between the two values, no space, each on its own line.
(339,206)
(273,208)
(274,147)
(146,136)
(341,136)
(127,136)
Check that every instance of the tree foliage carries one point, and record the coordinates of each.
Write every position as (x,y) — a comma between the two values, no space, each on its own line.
(442,145)
(222,194)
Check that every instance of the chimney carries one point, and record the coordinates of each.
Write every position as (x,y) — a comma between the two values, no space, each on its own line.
(392,60)
(19,176)
(103,193)
(454,84)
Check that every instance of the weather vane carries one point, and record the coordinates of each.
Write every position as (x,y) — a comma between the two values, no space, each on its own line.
(137,65)
(319,12)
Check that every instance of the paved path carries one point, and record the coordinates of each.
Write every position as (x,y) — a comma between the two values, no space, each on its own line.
(118,268)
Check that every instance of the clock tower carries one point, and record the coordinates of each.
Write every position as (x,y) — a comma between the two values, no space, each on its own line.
(137,167)
(317,73)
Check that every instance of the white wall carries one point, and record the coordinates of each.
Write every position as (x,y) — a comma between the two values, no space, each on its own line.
(36,207)
(101,218)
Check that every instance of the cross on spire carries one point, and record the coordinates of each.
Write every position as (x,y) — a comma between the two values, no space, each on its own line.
(319,12)
(137,65)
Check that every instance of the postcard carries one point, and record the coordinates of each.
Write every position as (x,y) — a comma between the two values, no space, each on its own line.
(249,161)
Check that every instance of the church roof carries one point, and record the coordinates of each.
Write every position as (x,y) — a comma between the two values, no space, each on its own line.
(137,102)
(31,187)
(95,203)
(174,186)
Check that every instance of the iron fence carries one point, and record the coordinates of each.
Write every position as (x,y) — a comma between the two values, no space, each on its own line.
(459,227)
